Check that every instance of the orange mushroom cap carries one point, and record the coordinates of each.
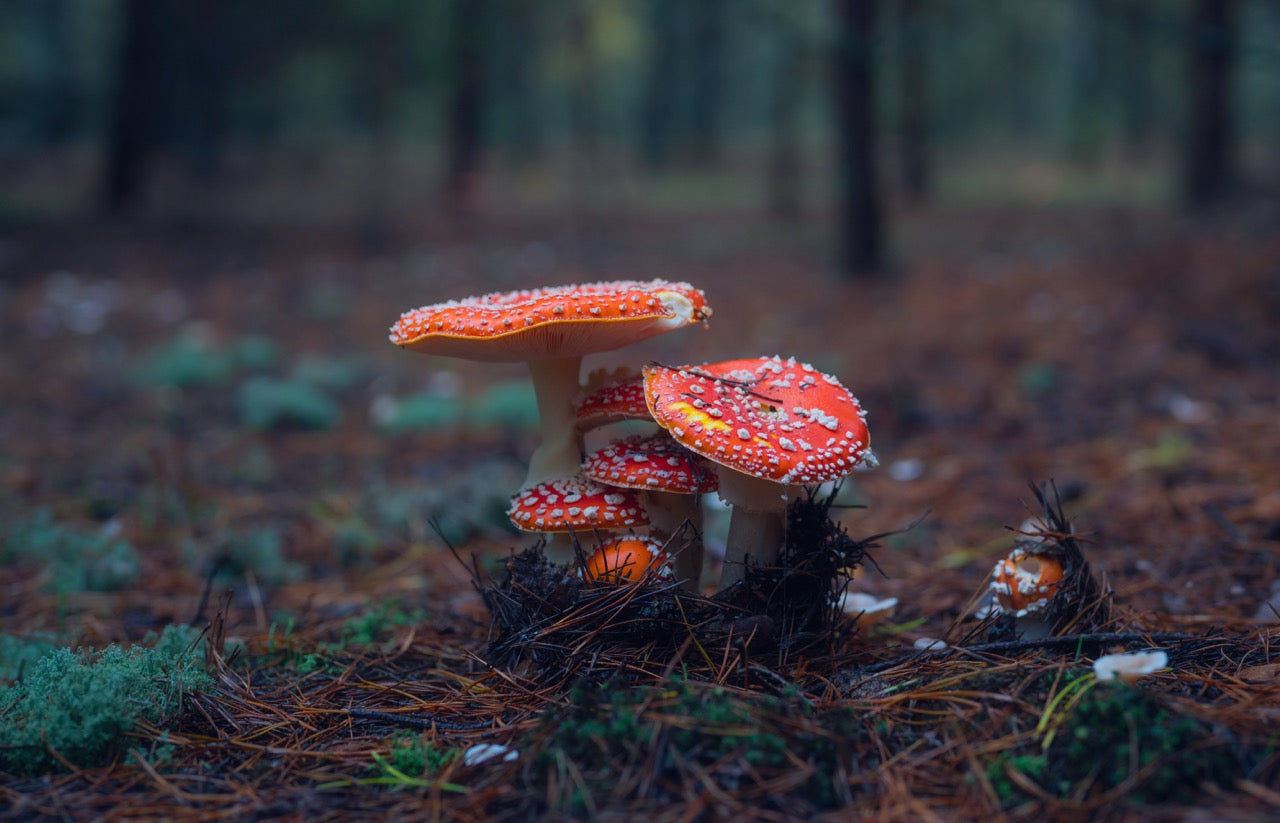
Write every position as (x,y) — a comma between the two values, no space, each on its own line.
(656,463)
(624,559)
(1024,582)
(620,401)
(766,417)
(572,504)
(554,322)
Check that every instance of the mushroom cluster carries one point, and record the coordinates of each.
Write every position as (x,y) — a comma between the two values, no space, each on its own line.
(756,430)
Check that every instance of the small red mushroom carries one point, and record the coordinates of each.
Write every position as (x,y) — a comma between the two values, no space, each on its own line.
(551,329)
(1024,583)
(575,504)
(771,426)
(628,559)
(669,480)
(612,403)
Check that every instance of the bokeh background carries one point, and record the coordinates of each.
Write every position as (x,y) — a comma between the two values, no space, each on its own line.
(389,114)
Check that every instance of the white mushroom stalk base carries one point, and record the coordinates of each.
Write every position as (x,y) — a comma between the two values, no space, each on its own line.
(555,384)
(668,513)
(757,526)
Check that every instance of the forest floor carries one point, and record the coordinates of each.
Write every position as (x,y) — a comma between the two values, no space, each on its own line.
(209,427)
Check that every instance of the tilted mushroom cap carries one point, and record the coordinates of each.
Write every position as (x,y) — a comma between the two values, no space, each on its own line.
(628,559)
(1024,582)
(555,322)
(575,504)
(619,401)
(766,417)
(656,463)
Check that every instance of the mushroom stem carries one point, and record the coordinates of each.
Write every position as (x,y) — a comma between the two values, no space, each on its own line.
(668,512)
(555,383)
(753,535)
(757,525)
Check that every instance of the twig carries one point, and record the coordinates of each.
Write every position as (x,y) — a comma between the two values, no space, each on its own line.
(415,722)
(1068,640)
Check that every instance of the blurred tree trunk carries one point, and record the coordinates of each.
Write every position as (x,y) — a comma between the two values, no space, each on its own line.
(1086,118)
(588,200)
(706,80)
(518,40)
(785,168)
(659,105)
(1133,63)
(209,44)
(913,122)
(384,53)
(130,137)
(860,223)
(59,96)
(1208,162)
(466,105)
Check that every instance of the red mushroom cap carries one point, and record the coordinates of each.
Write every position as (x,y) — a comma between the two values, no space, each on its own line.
(766,417)
(1024,582)
(555,322)
(625,559)
(620,401)
(572,504)
(656,463)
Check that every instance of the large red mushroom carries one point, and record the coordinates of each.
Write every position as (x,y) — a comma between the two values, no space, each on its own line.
(772,426)
(551,329)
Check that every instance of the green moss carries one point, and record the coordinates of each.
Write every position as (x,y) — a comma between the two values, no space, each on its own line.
(1119,733)
(77,560)
(733,740)
(506,405)
(187,361)
(381,621)
(269,403)
(19,653)
(423,412)
(253,352)
(258,550)
(335,374)
(80,704)
(1009,793)
(412,753)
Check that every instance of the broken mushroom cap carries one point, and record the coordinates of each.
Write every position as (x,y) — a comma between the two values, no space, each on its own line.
(656,463)
(628,559)
(867,610)
(1129,666)
(551,329)
(771,425)
(1024,583)
(575,504)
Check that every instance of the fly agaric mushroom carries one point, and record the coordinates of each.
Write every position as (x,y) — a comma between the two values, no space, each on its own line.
(612,403)
(628,559)
(1024,583)
(771,426)
(575,504)
(669,480)
(551,329)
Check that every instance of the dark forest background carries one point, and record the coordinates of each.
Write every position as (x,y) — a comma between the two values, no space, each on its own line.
(384,114)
